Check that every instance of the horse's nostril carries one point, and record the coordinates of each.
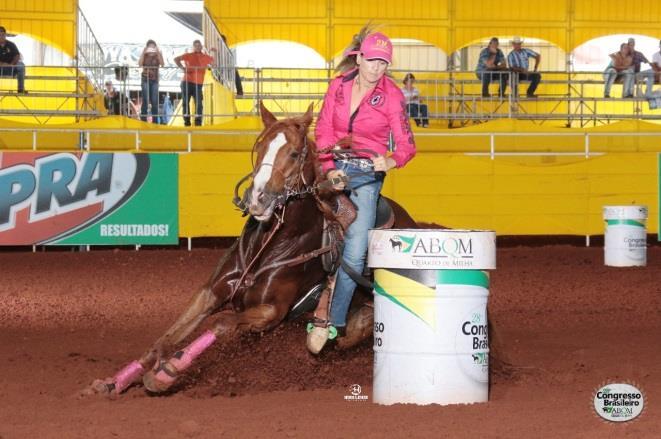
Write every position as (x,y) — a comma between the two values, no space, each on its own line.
(260,196)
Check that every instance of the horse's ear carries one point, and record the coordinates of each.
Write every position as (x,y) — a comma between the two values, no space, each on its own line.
(267,117)
(306,119)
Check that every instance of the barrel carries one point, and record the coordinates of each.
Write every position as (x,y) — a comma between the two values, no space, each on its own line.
(625,240)
(431,341)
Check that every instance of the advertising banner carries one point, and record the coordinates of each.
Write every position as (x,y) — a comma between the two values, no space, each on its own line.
(88,198)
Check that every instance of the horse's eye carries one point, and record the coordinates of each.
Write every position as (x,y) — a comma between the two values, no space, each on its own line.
(294,155)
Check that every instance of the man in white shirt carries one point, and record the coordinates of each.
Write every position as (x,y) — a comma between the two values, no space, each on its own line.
(656,65)
(647,75)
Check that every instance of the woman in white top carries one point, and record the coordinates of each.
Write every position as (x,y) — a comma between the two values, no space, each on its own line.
(414,108)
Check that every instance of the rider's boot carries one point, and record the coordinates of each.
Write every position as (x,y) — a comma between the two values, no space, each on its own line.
(319,332)
(319,329)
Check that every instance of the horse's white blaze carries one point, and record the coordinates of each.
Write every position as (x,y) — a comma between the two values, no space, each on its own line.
(264,174)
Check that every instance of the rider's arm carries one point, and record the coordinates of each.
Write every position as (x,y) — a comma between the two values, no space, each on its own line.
(401,129)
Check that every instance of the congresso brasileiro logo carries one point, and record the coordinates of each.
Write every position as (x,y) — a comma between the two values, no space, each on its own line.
(619,402)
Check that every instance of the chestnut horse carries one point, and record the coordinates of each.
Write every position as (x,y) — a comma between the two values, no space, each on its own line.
(271,266)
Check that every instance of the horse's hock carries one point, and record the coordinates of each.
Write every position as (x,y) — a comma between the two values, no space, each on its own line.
(431,340)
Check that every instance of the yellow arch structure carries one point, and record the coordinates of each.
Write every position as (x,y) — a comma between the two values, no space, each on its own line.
(50,21)
(327,26)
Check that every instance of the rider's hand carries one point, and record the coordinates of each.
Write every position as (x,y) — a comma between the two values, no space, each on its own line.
(383,164)
(336,173)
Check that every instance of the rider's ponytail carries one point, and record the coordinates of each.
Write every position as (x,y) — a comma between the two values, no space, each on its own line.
(352,51)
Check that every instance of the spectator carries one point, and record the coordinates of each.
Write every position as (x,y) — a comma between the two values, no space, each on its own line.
(111,100)
(414,107)
(168,110)
(518,62)
(150,59)
(491,65)
(237,77)
(656,65)
(10,61)
(621,65)
(638,59)
(191,87)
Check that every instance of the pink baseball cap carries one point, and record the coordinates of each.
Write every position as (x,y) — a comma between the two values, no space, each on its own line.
(377,46)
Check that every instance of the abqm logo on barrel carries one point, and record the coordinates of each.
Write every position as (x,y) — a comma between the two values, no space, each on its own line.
(451,249)
(88,198)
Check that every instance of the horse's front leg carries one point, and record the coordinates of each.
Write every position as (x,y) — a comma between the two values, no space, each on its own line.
(229,325)
(199,308)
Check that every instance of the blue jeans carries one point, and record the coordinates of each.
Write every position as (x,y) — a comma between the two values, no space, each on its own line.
(534,78)
(610,75)
(419,113)
(365,195)
(192,90)
(487,76)
(16,71)
(648,77)
(149,96)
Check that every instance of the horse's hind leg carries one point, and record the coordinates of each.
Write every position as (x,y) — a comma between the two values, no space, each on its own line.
(359,327)
(199,308)
(229,325)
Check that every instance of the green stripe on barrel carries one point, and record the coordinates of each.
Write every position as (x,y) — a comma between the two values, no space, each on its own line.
(624,222)
(463,277)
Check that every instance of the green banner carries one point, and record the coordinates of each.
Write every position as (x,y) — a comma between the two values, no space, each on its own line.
(89,199)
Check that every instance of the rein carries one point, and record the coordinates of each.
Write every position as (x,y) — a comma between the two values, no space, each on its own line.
(306,189)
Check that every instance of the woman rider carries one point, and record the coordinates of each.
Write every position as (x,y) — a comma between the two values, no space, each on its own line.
(364,103)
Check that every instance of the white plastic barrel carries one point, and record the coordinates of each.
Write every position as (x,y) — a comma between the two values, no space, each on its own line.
(625,240)
(431,342)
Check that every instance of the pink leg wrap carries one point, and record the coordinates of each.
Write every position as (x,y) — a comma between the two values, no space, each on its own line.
(193,350)
(126,376)
(183,359)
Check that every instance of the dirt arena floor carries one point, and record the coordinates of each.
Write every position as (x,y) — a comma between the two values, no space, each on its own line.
(567,324)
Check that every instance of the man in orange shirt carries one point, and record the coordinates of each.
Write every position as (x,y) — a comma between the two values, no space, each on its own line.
(191,87)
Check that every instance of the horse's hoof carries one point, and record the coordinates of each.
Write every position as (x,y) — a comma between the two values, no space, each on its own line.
(359,328)
(98,387)
(317,339)
(160,379)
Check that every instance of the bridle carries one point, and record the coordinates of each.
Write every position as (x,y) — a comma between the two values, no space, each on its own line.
(297,190)
(295,186)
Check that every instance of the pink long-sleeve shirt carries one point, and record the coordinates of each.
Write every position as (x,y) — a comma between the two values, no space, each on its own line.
(380,112)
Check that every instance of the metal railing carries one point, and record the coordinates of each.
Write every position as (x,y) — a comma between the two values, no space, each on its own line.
(456,97)
(52,92)
(224,68)
(452,98)
(89,54)
(57,92)
(487,144)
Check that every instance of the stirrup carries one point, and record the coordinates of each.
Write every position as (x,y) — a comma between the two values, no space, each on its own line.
(322,323)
